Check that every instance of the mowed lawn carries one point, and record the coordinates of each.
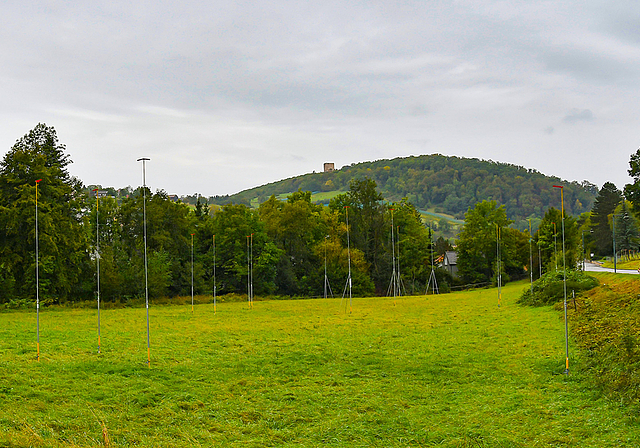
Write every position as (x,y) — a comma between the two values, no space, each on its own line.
(453,370)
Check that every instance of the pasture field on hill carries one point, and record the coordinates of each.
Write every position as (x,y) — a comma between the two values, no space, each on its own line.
(452,370)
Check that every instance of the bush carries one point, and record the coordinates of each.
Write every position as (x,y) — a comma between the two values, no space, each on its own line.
(549,288)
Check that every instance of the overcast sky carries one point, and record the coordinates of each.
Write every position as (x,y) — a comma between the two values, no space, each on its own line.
(228,95)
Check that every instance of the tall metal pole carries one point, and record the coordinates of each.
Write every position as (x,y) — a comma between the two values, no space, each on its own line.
(251,270)
(37,281)
(98,260)
(530,259)
(564,266)
(500,266)
(214,275)
(398,261)
(393,284)
(555,244)
(348,284)
(584,256)
(615,254)
(539,257)
(192,273)
(146,270)
(248,275)
(325,266)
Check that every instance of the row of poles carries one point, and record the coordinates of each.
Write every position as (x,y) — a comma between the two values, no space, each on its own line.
(564,271)
(395,284)
(146,270)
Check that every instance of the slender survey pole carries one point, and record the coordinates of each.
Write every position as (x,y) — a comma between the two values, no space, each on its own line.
(251,270)
(530,259)
(37,281)
(539,256)
(348,285)
(393,286)
(214,274)
(499,265)
(555,244)
(98,261)
(615,254)
(192,272)
(400,284)
(146,271)
(564,267)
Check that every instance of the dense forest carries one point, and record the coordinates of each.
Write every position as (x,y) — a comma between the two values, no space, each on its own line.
(445,184)
(364,238)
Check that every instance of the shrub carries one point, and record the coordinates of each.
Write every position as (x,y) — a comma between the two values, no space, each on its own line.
(549,288)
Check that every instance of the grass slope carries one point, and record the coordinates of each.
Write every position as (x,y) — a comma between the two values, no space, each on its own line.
(450,371)
(606,322)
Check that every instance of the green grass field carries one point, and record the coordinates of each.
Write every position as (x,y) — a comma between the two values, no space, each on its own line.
(445,371)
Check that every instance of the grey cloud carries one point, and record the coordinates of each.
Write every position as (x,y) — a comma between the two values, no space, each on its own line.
(576,115)
(588,65)
(346,80)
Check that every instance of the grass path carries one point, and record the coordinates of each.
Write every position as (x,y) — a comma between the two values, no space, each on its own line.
(450,371)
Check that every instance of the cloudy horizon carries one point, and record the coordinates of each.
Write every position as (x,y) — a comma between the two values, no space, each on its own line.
(228,96)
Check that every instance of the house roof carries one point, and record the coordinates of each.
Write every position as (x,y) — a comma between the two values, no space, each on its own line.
(451,257)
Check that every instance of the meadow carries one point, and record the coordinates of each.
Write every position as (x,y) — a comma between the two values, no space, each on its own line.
(451,370)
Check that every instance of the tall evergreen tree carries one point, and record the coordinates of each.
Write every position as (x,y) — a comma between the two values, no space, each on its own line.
(608,199)
(63,244)
(626,229)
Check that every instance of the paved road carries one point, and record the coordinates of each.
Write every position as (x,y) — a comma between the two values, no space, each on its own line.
(593,267)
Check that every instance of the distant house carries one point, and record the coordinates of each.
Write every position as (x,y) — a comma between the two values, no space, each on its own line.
(174,197)
(329,167)
(450,262)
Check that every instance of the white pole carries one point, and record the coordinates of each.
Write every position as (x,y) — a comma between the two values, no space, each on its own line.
(37,280)
(564,267)
(214,274)
(192,273)
(393,261)
(349,256)
(530,259)
(98,260)
(146,271)
(325,266)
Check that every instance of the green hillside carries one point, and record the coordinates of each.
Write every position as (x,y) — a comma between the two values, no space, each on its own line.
(443,185)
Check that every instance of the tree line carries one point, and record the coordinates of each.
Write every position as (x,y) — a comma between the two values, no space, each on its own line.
(289,242)
(288,245)
(610,227)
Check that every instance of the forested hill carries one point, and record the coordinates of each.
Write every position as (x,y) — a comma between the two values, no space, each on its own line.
(444,184)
